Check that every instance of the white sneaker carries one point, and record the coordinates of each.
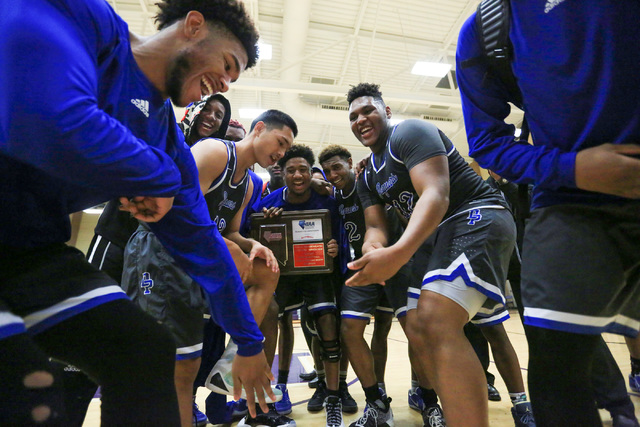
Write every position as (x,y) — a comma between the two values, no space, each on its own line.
(220,379)
(333,407)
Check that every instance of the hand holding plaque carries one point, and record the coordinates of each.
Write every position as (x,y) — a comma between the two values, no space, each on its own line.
(298,239)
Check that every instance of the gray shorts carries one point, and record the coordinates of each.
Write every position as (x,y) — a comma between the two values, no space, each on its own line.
(581,269)
(466,260)
(361,302)
(154,282)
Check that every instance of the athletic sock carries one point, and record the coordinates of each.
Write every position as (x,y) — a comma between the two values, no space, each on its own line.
(283,376)
(372,393)
(335,393)
(321,374)
(518,397)
(343,376)
(429,396)
(382,386)
(414,384)
(635,366)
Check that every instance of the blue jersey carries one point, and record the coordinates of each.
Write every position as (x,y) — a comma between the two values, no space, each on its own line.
(278,198)
(100,130)
(67,147)
(256,196)
(576,64)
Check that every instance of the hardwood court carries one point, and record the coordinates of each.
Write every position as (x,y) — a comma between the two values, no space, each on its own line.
(398,381)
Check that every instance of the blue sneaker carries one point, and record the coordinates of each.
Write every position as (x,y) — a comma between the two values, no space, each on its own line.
(634,382)
(415,399)
(523,415)
(237,408)
(283,407)
(199,418)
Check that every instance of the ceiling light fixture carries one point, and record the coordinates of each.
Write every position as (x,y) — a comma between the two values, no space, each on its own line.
(265,51)
(250,113)
(431,69)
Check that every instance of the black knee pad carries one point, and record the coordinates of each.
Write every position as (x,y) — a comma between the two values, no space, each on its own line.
(330,351)
(20,357)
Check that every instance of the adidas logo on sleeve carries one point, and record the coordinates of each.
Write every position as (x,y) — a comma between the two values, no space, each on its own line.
(143,105)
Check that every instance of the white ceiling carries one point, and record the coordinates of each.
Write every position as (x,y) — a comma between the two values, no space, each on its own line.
(321,47)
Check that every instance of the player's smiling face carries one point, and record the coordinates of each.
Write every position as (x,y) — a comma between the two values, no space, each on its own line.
(271,144)
(210,119)
(297,175)
(368,118)
(338,171)
(213,60)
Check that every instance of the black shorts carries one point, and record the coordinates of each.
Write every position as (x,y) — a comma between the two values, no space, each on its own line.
(106,256)
(44,286)
(361,302)
(581,269)
(468,251)
(156,284)
(316,291)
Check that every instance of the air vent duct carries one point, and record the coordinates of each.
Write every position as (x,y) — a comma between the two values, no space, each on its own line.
(436,119)
(334,107)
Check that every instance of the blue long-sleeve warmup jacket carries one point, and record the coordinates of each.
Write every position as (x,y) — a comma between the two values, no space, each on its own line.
(576,62)
(81,124)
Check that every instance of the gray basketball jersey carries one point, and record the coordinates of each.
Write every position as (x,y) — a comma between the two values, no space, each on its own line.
(224,198)
(387,179)
(352,218)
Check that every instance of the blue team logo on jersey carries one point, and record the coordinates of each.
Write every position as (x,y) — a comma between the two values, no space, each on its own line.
(146,283)
(302,223)
(474,216)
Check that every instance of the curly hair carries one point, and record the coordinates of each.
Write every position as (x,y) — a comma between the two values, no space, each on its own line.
(364,89)
(229,14)
(333,150)
(298,150)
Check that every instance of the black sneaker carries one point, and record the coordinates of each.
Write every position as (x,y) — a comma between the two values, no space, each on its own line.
(349,405)
(432,416)
(494,394)
(375,415)
(270,419)
(313,383)
(317,400)
(334,411)
(308,376)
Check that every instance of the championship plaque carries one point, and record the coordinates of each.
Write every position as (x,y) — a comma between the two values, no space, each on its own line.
(298,239)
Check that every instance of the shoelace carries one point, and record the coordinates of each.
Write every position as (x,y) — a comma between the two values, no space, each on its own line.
(334,413)
(369,411)
(435,418)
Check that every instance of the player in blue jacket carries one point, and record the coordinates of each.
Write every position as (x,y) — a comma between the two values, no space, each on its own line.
(104,128)
(576,66)
(315,291)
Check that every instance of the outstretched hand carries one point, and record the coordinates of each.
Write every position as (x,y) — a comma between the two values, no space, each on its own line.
(375,266)
(254,374)
(145,208)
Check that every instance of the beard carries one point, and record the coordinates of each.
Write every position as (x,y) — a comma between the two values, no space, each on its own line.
(175,79)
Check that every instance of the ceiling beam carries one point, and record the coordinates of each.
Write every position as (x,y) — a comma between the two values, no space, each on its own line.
(341,90)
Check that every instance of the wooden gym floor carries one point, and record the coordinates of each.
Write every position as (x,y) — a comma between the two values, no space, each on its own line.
(398,381)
